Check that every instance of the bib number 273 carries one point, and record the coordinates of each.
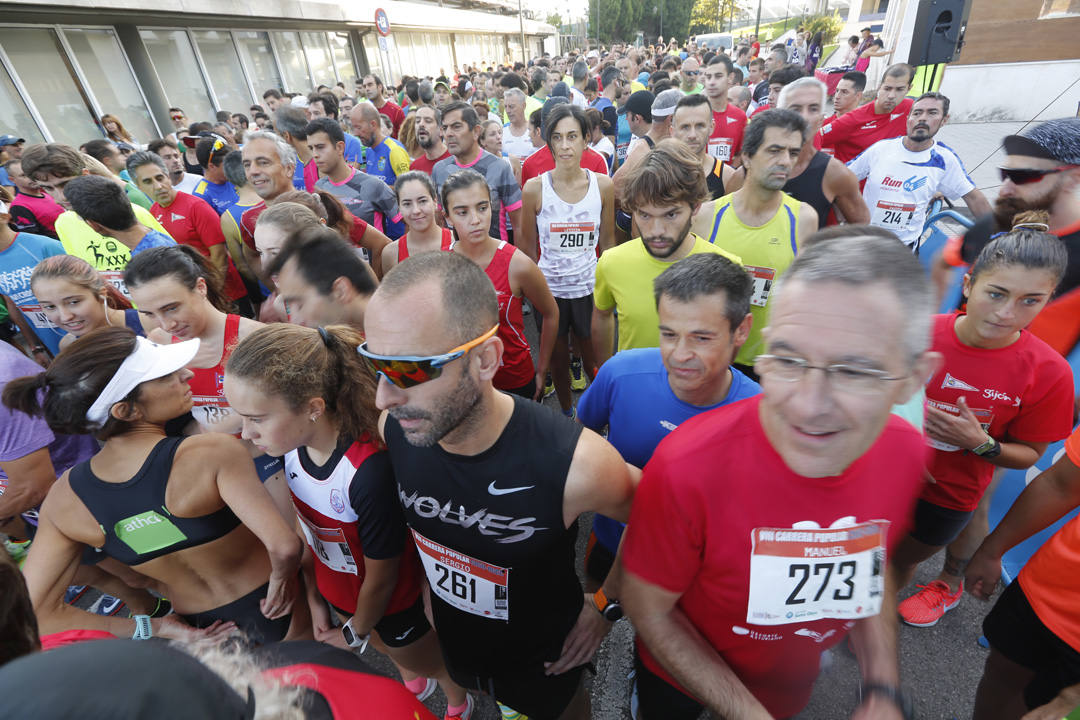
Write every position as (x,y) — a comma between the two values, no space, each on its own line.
(801,575)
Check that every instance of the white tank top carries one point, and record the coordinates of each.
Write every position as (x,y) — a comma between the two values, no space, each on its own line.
(568,235)
(520,145)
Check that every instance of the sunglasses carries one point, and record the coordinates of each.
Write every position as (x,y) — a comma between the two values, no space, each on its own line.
(406,371)
(1024,176)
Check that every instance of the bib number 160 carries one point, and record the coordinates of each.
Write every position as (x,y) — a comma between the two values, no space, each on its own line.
(456,583)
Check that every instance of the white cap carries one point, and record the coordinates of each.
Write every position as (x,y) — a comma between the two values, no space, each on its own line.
(299,101)
(150,361)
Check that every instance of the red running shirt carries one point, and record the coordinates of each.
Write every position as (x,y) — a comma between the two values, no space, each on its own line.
(725,142)
(542,160)
(1020,392)
(1052,590)
(853,132)
(446,245)
(517,365)
(424,165)
(207,386)
(712,520)
(354,695)
(193,221)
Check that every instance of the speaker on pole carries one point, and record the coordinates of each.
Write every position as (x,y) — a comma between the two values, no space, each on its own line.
(939,31)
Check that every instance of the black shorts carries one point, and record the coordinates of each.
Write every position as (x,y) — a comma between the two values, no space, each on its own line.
(525,689)
(1015,631)
(598,559)
(247,615)
(527,391)
(405,626)
(938,526)
(575,314)
(660,700)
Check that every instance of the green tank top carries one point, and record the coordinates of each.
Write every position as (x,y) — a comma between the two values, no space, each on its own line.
(766,252)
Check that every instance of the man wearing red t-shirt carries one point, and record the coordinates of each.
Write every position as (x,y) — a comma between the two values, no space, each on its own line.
(190,221)
(725,141)
(885,118)
(429,138)
(374,89)
(760,531)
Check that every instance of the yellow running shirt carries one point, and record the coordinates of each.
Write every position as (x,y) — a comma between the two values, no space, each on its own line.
(108,256)
(624,280)
(767,251)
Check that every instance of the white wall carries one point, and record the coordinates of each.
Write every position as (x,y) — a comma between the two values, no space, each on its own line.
(1024,91)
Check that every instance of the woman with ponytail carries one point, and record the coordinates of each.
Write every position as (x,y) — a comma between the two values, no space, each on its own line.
(76,299)
(315,405)
(178,289)
(189,513)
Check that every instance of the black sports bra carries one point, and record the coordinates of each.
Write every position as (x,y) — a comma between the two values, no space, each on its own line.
(137,525)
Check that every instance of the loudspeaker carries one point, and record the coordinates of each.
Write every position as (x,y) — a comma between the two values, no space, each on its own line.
(939,31)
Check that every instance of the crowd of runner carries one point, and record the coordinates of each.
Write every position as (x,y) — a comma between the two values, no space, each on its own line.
(269,391)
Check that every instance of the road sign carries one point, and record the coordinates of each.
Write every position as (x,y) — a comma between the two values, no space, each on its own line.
(382,23)
(382,44)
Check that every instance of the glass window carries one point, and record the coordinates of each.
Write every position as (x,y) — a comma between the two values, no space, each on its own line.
(291,56)
(343,59)
(318,54)
(223,65)
(106,71)
(178,71)
(15,118)
(254,47)
(39,62)
(1059,9)
(375,56)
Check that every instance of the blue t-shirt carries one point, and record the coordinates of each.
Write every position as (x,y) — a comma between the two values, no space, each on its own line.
(298,176)
(354,149)
(623,136)
(631,395)
(152,239)
(5,179)
(16,265)
(219,196)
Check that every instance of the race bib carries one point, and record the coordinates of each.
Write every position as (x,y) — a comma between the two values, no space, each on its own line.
(893,215)
(116,279)
(328,544)
(720,148)
(572,238)
(985,417)
(211,415)
(463,582)
(763,282)
(37,317)
(799,576)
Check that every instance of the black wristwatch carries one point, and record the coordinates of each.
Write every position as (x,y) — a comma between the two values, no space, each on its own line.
(892,693)
(610,609)
(989,449)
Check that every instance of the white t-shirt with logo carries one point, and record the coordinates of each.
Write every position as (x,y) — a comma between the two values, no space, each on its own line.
(900,184)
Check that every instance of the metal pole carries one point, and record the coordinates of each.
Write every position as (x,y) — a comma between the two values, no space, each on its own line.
(521,26)
(757,24)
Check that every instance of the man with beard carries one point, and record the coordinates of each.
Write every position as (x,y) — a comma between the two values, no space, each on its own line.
(1041,171)
(429,137)
(662,193)
(490,483)
(886,117)
(385,157)
(904,174)
(759,221)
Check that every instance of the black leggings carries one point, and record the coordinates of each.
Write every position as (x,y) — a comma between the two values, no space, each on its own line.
(247,615)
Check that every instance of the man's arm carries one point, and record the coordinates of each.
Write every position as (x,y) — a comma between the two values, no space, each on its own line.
(632,158)
(977,203)
(29,480)
(874,641)
(526,278)
(847,198)
(237,250)
(683,651)
(607,213)
(38,351)
(526,229)
(807,223)
(603,334)
(702,223)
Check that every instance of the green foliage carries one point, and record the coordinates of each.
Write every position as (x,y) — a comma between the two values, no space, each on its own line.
(621,20)
(830,26)
(554,19)
(709,16)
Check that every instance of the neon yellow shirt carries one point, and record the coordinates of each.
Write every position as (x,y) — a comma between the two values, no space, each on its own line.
(108,256)
(624,280)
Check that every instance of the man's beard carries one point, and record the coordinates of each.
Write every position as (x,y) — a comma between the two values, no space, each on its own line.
(425,141)
(1007,208)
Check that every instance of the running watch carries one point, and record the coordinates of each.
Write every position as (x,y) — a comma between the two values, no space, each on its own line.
(143,630)
(989,449)
(610,609)
(352,639)
(891,693)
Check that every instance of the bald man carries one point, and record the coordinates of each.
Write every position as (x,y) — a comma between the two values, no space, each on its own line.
(385,157)
(690,74)
(739,96)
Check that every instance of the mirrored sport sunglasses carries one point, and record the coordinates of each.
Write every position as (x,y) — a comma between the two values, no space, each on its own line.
(1024,176)
(408,371)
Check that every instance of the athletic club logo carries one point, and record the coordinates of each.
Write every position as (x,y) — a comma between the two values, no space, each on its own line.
(337,502)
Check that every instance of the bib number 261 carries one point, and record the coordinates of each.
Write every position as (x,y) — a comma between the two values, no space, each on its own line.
(456,583)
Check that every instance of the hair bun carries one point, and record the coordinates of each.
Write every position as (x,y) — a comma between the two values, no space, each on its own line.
(1030,218)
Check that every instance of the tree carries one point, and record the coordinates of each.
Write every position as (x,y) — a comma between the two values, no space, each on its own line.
(554,19)
(708,16)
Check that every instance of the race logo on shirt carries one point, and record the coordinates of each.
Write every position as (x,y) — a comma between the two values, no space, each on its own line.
(337,502)
(502,527)
(911,184)
(953,383)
